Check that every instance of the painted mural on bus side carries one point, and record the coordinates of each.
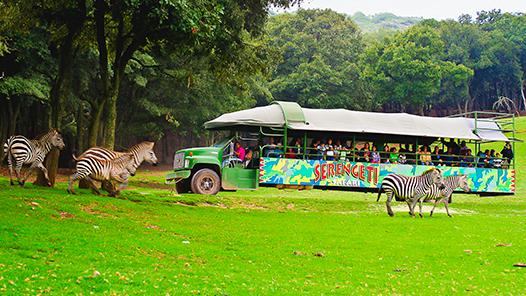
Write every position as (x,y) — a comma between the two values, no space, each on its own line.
(369,175)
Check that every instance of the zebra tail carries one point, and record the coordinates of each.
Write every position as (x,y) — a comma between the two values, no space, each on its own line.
(379,193)
(74,157)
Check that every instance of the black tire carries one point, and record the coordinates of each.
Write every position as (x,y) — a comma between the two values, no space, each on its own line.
(206,181)
(183,186)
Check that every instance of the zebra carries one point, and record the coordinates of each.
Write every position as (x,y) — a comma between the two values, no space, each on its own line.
(141,152)
(90,168)
(410,189)
(443,195)
(20,150)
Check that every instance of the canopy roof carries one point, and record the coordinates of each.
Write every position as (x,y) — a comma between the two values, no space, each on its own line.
(281,114)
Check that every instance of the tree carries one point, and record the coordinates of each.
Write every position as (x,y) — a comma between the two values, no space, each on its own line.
(319,64)
(200,27)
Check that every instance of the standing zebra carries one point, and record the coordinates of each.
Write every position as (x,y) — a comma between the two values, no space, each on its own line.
(20,150)
(141,152)
(443,195)
(117,169)
(410,189)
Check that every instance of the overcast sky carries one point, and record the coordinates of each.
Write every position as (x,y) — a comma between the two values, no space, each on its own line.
(439,9)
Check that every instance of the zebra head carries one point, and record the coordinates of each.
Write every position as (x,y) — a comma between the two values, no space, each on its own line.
(148,155)
(56,139)
(463,183)
(126,163)
(435,176)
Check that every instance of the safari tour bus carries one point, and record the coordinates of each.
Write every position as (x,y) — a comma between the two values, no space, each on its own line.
(285,145)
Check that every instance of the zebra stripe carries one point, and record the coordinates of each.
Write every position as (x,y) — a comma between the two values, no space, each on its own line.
(443,195)
(91,168)
(22,151)
(409,188)
(141,152)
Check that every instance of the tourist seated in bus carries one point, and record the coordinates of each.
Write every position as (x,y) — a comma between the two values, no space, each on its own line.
(298,148)
(329,150)
(463,148)
(455,148)
(290,153)
(402,159)
(385,154)
(436,156)
(269,148)
(467,160)
(239,152)
(364,154)
(338,148)
(449,158)
(491,158)
(393,156)
(249,157)
(481,158)
(315,153)
(497,161)
(425,156)
(506,152)
(375,155)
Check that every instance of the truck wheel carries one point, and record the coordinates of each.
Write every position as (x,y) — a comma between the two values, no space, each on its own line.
(206,181)
(183,186)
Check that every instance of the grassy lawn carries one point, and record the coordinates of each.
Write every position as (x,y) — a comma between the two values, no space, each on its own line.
(261,242)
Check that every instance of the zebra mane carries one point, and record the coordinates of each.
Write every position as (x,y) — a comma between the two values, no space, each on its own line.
(430,171)
(141,146)
(122,159)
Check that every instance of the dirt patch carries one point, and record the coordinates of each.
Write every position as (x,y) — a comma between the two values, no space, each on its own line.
(90,209)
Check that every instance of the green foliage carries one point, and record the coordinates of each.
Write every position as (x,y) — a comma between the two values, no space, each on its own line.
(320,60)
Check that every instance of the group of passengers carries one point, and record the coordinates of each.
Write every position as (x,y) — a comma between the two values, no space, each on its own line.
(455,155)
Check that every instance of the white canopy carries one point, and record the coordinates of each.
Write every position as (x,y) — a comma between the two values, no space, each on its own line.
(342,120)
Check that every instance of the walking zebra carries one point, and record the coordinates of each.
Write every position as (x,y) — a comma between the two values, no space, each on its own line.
(443,195)
(410,189)
(141,152)
(90,168)
(20,150)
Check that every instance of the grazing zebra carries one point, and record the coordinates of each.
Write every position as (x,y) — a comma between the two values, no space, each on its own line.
(410,189)
(20,150)
(141,152)
(443,195)
(90,168)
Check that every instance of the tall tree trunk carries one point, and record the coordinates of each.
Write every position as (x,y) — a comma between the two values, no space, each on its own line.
(58,99)
(96,118)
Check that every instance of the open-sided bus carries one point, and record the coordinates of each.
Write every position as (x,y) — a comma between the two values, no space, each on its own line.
(286,149)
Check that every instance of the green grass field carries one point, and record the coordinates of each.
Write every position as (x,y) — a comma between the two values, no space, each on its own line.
(263,242)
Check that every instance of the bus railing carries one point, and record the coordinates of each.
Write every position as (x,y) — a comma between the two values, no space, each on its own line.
(412,158)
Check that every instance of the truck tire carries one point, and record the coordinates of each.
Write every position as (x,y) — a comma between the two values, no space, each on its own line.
(183,186)
(206,181)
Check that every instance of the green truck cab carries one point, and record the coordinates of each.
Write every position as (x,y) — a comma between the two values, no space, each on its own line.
(206,170)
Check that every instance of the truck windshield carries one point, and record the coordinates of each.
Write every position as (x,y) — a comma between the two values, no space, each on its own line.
(222,143)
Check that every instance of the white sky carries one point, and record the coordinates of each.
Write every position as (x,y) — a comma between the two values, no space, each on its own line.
(438,9)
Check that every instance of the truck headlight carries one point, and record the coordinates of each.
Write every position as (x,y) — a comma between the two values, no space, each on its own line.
(178,160)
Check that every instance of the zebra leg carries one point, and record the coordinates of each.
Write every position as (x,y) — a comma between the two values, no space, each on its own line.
(18,172)
(388,203)
(420,207)
(26,176)
(10,166)
(44,170)
(434,206)
(92,185)
(413,205)
(71,180)
(446,202)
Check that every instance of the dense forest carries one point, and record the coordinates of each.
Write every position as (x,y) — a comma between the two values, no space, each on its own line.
(112,73)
